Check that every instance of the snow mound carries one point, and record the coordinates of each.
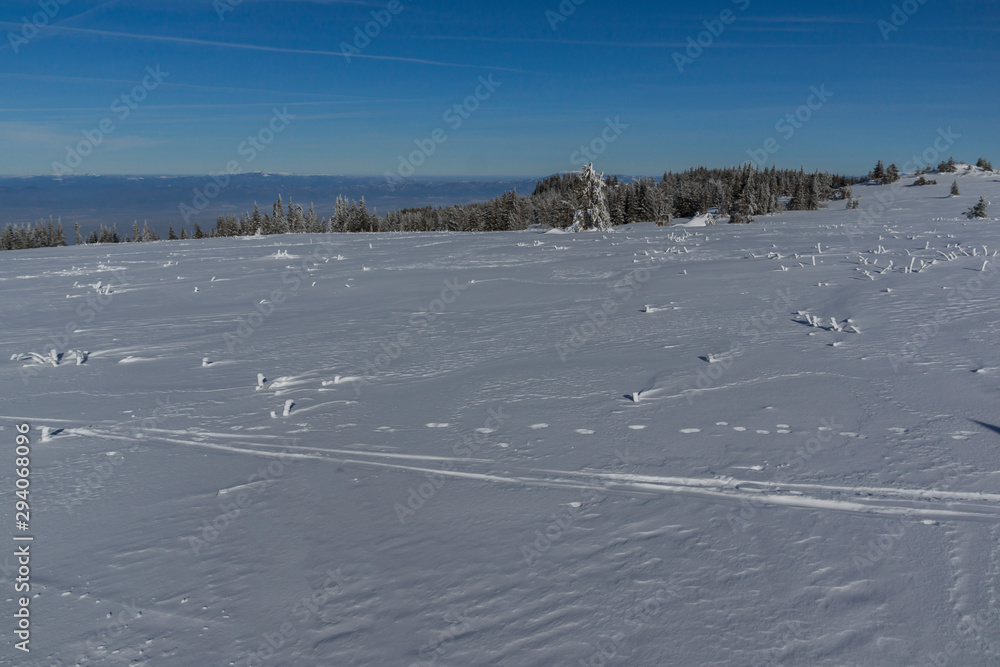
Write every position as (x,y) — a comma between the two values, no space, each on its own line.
(700,221)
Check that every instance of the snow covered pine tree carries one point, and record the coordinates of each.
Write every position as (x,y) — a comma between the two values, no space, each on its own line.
(593,212)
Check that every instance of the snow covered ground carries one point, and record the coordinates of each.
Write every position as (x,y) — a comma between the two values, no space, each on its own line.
(775,443)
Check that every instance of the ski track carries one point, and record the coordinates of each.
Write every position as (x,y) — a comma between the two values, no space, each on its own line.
(864,500)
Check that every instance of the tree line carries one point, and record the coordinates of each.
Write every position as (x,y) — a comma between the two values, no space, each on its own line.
(740,193)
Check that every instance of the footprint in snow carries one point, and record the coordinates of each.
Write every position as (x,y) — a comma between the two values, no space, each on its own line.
(637,427)
(690,430)
(437,425)
(539,426)
(584,431)
(740,428)
(485,430)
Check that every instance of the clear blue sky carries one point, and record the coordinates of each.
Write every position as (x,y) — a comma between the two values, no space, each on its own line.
(557,85)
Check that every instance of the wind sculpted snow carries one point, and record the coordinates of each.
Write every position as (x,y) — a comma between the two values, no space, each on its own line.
(755,444)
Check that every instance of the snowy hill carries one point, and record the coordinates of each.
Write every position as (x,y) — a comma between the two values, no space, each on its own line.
(774,443)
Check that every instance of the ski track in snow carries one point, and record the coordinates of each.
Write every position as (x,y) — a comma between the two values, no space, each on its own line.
(864,500)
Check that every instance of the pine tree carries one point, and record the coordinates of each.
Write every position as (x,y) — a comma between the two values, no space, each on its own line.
(198,234)
(184,234)
(593,210)
(296,218)
(135,231)
(79,239)
(312,223)
(891,174)
(798,200)
(363,221)
(979,210)
(954,189)
(279,223)
(171,236)
(878,173)
(257,220)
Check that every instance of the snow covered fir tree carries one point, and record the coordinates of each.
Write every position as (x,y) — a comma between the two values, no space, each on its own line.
(41,235)
(592,214)
(979,210)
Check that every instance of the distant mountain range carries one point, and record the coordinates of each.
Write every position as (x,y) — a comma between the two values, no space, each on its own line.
(164,200)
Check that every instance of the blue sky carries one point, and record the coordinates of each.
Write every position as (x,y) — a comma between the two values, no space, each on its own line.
(558,77)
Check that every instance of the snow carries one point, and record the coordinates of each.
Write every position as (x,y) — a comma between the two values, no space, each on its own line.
(703,220)
(460,470)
